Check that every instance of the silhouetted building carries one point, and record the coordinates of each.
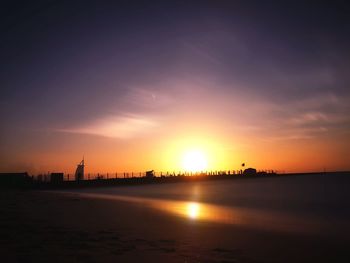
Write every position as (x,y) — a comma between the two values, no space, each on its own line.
(56,178)
(150,174)
(249,172)
(79,172)
(14,179)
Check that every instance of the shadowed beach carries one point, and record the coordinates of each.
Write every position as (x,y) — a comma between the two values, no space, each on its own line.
(141,223)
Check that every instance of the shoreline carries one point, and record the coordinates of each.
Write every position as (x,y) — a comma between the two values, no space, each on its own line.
(29,183)
(40,226)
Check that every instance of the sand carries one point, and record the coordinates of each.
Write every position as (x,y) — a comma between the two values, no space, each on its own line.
(50,227)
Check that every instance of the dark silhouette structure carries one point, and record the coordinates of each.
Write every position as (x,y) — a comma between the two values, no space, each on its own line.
(14,180)
(56,178)
(249,172)
(150,174)
(79,172)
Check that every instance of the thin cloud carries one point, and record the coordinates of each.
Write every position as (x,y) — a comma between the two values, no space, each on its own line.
(125,127)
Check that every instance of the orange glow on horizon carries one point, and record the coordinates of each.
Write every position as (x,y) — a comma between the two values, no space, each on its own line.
(195,154)
(168,152)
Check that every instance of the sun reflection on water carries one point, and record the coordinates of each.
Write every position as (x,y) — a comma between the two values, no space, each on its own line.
(193,210)
(216,213)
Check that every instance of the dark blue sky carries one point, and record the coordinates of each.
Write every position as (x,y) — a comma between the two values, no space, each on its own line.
(279,71)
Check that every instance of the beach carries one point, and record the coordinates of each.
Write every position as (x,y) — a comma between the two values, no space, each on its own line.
(125,224)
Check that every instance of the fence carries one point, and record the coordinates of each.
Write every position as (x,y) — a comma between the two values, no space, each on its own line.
(124,175)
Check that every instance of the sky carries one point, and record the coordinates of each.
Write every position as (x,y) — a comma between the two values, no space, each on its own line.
(136,85)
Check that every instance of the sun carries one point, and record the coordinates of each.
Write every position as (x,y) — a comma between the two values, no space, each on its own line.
(194,161)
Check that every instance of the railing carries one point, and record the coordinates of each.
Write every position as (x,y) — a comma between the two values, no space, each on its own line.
(124,175)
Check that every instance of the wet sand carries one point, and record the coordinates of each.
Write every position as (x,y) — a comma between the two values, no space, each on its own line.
(52,227)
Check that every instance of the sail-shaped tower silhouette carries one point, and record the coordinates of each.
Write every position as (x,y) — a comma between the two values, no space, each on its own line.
(79,172)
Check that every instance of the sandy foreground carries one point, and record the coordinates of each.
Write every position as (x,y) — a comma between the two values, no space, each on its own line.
(52,227)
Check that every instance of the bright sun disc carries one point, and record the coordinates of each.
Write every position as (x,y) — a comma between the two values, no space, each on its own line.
(194,161)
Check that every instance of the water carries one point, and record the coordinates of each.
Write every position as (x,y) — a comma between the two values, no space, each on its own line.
(308,204)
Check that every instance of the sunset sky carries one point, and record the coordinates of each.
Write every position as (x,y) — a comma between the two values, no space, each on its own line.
(135,86)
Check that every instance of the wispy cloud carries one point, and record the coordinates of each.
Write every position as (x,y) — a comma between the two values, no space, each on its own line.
(313,116)
(307,118)
(136,113)
(116,127)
